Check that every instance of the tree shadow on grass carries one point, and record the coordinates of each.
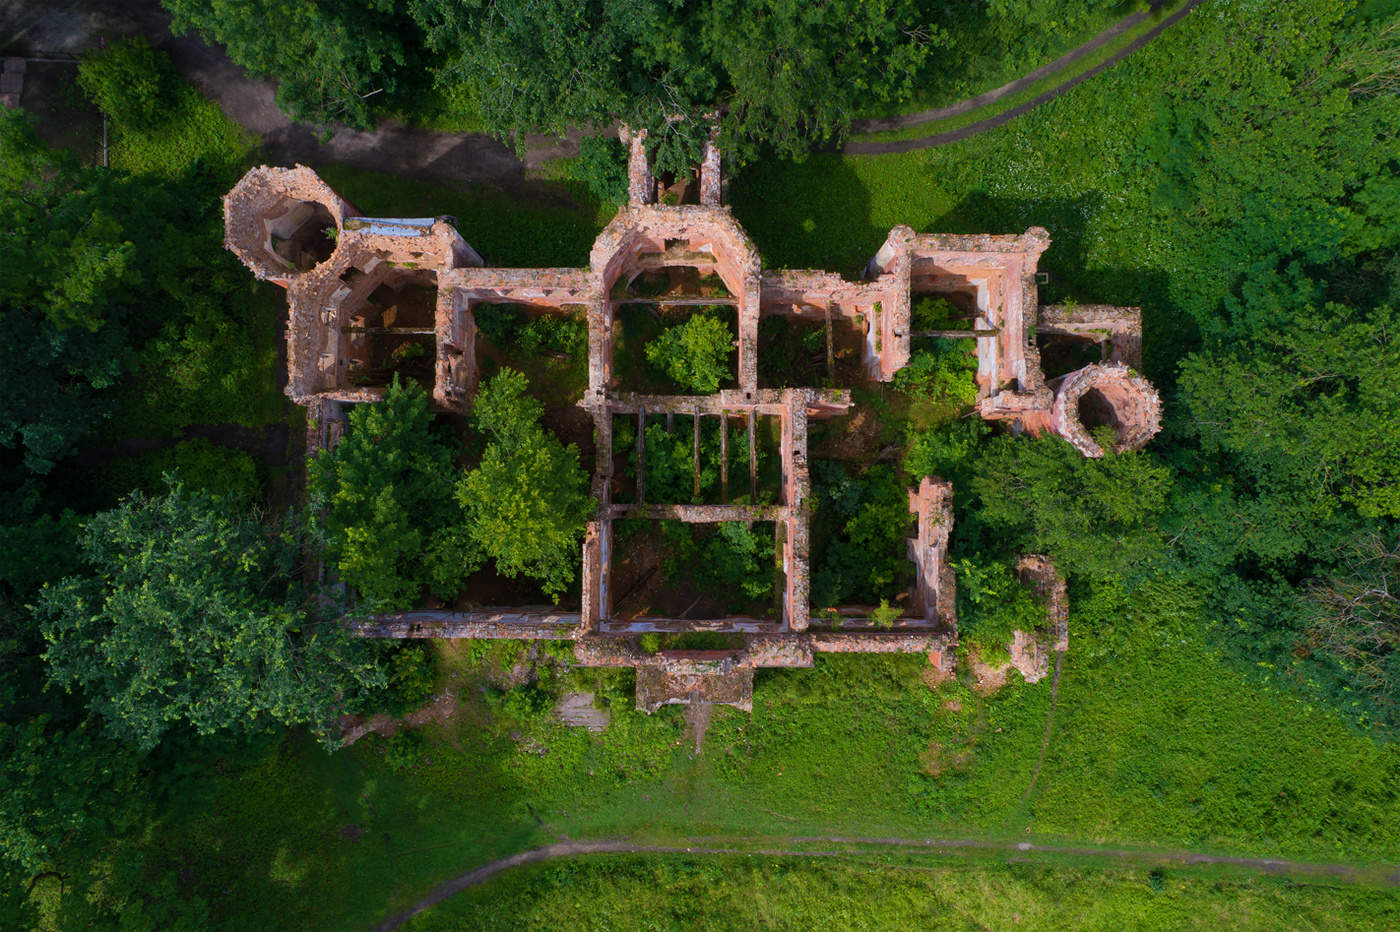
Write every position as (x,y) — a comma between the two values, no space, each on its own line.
(830,230)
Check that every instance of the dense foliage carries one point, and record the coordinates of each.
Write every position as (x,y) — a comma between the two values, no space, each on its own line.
(527,500)
(731,561)
(105,275)
(992,604)
(331,59)
(695,354)
(184,617)
(385,499)
(859,531)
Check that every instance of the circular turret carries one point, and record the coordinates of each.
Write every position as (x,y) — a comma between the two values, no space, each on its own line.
(283,222)
(1106,396)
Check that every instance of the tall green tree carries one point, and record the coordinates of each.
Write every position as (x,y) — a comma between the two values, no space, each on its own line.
(1306,411)
(786,74)
(384,497)
(187,616)
(695,354)
(334,62)
(104,275)
(528,499)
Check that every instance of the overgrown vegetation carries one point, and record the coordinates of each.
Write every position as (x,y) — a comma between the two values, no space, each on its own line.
(384,499)
(740,892)
(1230,684)
(695,354)
(525,504)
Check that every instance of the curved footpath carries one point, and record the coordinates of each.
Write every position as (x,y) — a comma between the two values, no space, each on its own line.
(458,157)
(906,120)
(1006,116)
(1388,875)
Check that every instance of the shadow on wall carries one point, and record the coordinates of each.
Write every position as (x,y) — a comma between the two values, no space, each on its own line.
(1168,332)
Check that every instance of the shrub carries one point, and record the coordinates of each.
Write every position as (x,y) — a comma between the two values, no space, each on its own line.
(131,82)
(946,373)
(497,322)
(992,603)
(410,683)
(160,125)
(602,168)
(935,314)
(551,333)
(694,354)
(404,752)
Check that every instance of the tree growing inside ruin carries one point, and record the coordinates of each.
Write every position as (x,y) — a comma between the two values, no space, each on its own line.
(695,354)
(993,603)
(186,616)
(383,499)
(528,499)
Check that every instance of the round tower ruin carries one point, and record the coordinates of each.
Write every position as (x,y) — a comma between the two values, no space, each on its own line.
(1108,395)
(283,222)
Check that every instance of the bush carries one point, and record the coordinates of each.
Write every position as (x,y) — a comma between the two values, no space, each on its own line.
(131,82)
(551,333)
(694,354)
(405,751)
(935,314)
(410,679)
(160,125)
(944,451)
(602,168)
(947,373)
(992,603)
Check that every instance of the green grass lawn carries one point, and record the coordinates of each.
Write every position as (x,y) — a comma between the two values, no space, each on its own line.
(1156,742)
(744,893)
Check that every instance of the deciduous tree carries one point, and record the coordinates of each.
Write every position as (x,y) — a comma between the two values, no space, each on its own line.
(185,616)
(527,500)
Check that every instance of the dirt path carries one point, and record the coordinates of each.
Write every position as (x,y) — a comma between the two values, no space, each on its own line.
(1006,116)
(847,846)
(906,120)
(77,26)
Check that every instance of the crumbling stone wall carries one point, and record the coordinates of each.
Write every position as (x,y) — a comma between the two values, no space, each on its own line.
(542,623)
(935,593)
(1120,328)
(270,201)
(707,239)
